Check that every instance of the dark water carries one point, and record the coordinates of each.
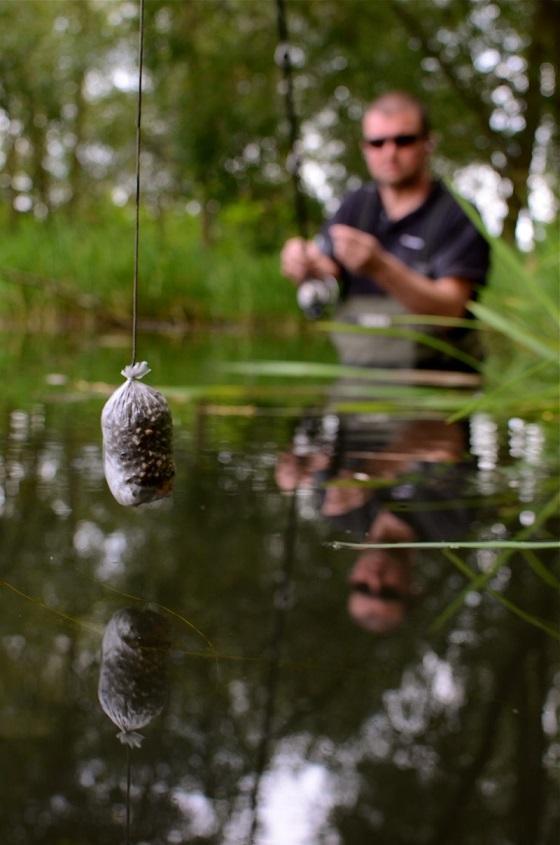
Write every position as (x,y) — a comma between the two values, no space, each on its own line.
(288,693)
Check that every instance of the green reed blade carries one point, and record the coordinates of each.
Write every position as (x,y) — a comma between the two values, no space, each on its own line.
(518,334)
(481,580)
(470,573)
(500,545)
(541,570)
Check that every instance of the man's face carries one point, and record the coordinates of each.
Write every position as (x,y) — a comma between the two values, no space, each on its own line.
(389,164)
(380,586)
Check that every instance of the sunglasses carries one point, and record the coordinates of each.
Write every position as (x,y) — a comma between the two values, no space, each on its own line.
(385,593)
(398,140)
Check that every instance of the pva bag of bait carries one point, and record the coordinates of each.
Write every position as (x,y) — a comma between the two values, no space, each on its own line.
(133,679)
(137,441)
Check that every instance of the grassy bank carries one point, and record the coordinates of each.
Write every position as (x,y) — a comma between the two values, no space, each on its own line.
(71,271)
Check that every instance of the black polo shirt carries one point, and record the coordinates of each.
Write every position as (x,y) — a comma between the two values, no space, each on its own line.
(437,239)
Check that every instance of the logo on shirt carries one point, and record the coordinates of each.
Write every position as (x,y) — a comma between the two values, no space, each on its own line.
(412,241)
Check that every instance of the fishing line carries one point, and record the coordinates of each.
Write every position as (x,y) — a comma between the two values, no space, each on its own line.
(128,784)
(137,200)
(136,421)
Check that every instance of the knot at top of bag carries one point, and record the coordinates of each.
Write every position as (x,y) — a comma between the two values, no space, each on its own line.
(135,371)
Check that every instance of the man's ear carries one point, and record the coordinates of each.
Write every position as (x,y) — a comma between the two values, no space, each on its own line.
(431,143)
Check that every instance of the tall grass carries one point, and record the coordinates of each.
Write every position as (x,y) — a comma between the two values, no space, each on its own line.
(520,310)
(522,305)
(50,270)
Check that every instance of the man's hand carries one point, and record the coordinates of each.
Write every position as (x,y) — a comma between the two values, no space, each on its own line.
(359,252)
(301,259)
(294,260)
(363,255)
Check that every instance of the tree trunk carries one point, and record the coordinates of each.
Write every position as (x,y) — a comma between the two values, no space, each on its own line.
(40,177)
(10,169)
(207,223)
(75,168)
(521,147)
(75,173)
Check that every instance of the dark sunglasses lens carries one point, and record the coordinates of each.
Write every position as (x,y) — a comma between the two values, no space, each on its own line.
(399,141)
(405,140)
(384,593)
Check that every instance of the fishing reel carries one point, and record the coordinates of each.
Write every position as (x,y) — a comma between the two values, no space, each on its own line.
(316,297)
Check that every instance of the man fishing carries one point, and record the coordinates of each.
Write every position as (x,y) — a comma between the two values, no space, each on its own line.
(399,245)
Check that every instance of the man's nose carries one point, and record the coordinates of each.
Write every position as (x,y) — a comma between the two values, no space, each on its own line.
(375,583)
(390,148)
(373,578)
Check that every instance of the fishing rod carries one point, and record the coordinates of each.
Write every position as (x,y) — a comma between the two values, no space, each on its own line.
(314,296)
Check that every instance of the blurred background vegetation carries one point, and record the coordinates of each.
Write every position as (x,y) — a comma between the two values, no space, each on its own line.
(216,194)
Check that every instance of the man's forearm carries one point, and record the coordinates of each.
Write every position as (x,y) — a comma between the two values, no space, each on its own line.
(419,294)
(362,254)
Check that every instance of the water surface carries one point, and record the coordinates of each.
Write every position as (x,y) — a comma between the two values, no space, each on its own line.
(313,696)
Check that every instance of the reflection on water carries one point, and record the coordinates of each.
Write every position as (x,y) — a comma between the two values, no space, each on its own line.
(133,676)
(382,481)
(309,698)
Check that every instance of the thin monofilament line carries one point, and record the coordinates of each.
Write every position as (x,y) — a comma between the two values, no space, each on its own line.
(137,203)
(128,784)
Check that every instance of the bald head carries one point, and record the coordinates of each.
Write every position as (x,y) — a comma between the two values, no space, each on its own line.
(395,102)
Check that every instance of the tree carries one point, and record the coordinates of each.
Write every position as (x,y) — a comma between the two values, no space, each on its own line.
(214,127)
(47,52)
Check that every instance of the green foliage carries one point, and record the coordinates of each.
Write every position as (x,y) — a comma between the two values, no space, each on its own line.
(522,301)
(521,309)
(62,265)
(214,127)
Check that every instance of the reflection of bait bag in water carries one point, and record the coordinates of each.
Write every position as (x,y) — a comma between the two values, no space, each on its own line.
(137,441)
(133,677)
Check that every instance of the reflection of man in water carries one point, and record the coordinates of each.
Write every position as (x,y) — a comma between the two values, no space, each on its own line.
(415,463)
(399,244)
(381,579)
